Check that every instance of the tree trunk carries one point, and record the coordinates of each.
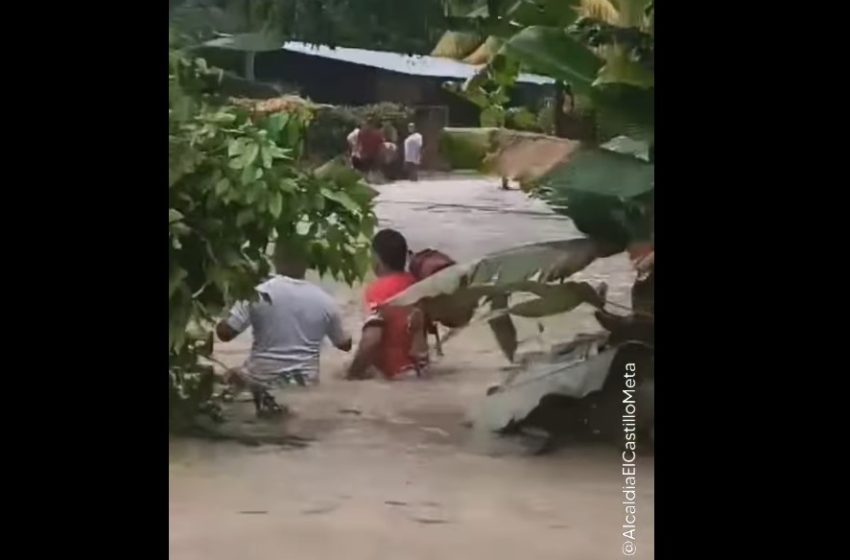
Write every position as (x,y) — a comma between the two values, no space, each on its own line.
(249,65)
(561,124)
(570,123)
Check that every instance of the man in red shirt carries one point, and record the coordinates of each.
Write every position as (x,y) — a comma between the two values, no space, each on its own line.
(393,340)
(369,145)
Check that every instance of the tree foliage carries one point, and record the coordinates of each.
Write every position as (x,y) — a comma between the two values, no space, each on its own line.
(236,187)
(411,27)
(605,52)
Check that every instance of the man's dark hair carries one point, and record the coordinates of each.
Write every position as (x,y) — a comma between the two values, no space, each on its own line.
(290,259)
(391,248)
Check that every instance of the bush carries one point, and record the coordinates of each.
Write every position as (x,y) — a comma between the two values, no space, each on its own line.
(332,124)
(520,118)
(466,148)
(546,117)
(327,136)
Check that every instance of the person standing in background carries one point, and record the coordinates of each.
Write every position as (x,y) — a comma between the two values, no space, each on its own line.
(370,145)
(352,144)
(412,152)
(389,132)
(390,165)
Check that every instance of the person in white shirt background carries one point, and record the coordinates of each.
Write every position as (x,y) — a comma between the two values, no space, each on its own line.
(352,143)
(412,152)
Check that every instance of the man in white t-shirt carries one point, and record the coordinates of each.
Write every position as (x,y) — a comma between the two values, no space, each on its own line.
(412,152)
(289,320)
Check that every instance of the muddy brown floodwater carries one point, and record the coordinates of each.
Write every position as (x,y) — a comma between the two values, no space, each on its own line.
(391,472)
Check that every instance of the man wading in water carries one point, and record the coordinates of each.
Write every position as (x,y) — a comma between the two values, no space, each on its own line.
(393,341)
(289,320)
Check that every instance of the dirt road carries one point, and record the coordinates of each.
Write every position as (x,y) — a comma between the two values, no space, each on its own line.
(392,473)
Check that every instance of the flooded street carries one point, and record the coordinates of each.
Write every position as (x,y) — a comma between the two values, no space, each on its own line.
(390,470)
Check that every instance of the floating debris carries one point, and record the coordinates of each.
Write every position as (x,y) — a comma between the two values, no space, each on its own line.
(354,411)
(325,508)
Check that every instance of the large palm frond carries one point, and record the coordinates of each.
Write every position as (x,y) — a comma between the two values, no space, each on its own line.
(452,295)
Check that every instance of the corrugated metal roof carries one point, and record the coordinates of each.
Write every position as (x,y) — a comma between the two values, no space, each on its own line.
(414,65)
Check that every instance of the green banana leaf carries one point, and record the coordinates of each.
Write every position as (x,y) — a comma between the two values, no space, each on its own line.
(607,192)
(603,172)
(536,269)
(516,269)
(550,51)
(621,90)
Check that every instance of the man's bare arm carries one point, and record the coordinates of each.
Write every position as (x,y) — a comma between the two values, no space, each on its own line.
(225,332)
(337,334)
(367,351)
(236,323)
(345,345)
